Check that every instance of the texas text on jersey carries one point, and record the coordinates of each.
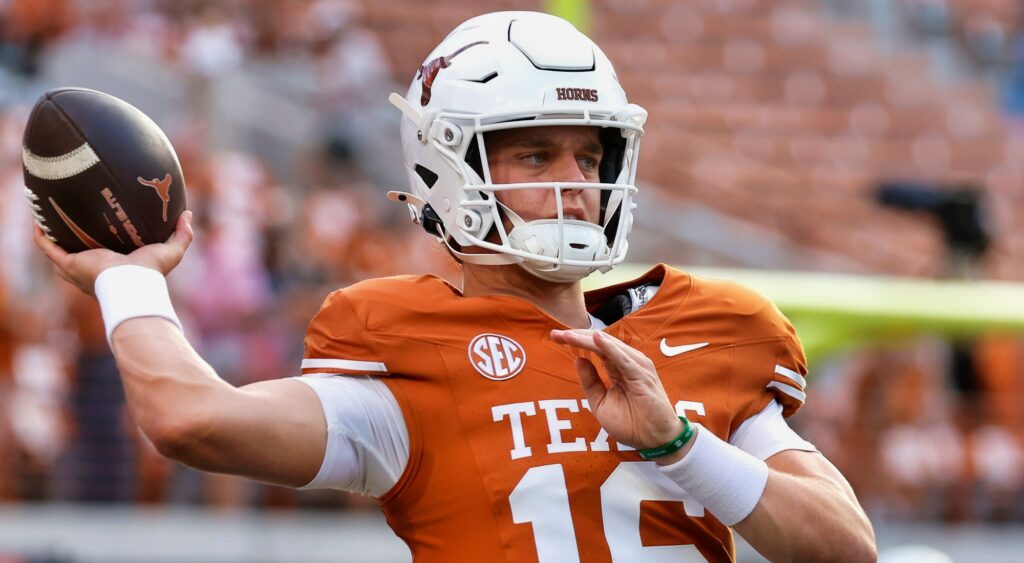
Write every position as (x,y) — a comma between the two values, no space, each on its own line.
(505,463)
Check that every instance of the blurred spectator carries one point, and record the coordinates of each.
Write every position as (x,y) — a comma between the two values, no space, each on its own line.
(37,416)
(29,27)
(1014,84)
(353,74)
(97,466)
(211,48)
(1000,367)
(985,39)
(929,17)
(212,45)
(998,459)
(331,220)
(8,467)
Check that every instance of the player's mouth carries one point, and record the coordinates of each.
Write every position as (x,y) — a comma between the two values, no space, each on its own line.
(575,213)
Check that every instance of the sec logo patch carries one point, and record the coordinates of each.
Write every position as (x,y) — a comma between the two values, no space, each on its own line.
(496,357)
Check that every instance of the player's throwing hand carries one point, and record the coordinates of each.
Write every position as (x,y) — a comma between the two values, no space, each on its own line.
(81,268)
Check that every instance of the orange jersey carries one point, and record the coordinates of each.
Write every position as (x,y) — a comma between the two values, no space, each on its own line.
(506,463)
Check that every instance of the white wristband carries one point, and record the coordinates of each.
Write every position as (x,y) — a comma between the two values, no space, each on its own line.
(128,292)
(728,481)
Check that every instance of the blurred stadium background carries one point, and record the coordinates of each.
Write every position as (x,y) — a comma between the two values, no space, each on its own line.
(864,140)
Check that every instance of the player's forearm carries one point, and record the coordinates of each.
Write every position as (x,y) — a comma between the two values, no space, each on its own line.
(808,519)
(795,506)
(171,391)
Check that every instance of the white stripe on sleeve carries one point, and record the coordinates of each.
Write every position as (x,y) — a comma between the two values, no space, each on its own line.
(788,373)
(350,365)
(789,390)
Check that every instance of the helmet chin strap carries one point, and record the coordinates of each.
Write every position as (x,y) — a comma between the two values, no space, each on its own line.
(416,204)
(485,259)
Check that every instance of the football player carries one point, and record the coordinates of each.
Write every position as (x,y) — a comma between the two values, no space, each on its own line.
(514,418)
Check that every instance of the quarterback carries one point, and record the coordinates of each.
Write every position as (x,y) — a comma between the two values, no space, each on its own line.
(514,418)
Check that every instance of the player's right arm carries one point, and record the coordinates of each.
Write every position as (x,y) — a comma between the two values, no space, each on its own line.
(272,431)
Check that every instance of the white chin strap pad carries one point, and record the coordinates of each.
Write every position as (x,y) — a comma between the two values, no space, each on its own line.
(565,240)
(579,240)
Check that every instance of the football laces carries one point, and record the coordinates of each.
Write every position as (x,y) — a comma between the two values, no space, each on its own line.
(40,220)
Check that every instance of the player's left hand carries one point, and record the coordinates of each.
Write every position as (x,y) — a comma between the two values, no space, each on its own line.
(633,406)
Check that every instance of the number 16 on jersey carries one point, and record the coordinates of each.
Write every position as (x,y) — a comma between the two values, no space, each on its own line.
(541,498)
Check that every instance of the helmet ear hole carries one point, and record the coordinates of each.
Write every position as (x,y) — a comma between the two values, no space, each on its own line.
(427,175)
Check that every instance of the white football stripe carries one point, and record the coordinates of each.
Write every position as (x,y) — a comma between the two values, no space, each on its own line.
(351,365)
(59,167)
(786,372)
(789,390)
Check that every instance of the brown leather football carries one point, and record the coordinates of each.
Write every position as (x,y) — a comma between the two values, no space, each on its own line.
(99,172)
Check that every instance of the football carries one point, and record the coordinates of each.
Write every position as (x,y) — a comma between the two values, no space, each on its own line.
(99,173)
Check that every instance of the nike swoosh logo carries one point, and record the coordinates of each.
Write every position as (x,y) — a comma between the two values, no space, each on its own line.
(676,350)
(82,235)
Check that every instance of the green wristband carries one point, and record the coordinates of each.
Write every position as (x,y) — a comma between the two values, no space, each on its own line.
(675,445)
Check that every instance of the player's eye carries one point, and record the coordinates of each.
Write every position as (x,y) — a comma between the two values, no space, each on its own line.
(588,163)
(534,158)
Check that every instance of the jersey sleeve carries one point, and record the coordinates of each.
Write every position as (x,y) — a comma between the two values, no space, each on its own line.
(337,342)
(771,365)
(789,373)
(766,434)
(367,439)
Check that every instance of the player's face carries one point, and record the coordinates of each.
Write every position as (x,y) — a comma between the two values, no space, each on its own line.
(569,153)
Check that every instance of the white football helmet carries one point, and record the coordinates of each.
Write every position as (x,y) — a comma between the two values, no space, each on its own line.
(509,70)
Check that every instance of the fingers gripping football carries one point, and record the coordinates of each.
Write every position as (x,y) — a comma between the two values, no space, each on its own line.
(632,406)
(82,268)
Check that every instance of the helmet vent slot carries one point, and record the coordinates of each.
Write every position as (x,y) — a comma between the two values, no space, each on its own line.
(428,176)
(485,79)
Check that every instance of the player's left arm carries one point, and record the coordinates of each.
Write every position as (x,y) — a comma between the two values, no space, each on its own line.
(808,512)
(794,507)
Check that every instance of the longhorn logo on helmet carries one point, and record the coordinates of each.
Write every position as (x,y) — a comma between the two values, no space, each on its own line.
(428,72)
